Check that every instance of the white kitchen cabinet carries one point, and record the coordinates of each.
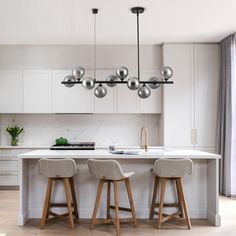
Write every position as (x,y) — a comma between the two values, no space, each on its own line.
(11,92)
(37,91)
(152,104)
(108,103)
(190,105)
(41,91)
(128,100)
(9,171)
(177,98)
(9,165)
(206,85)
(71,100)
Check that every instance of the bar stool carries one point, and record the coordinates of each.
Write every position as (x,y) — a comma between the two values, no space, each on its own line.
(59,170)
(173,170)
(109,171)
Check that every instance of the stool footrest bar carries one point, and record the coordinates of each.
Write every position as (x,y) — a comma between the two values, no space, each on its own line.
(168,205)
(60,205)
(121,208)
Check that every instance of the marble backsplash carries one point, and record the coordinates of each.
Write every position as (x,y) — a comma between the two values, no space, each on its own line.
(105,130)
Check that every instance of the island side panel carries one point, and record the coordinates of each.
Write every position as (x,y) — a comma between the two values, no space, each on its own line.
(213,192)
(24,192)
(141,184)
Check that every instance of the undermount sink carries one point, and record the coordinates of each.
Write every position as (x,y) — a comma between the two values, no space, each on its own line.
(137,151)
(126,152)
(152,152)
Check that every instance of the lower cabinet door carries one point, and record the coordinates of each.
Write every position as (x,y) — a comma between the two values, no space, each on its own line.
(8,166)
(9,179)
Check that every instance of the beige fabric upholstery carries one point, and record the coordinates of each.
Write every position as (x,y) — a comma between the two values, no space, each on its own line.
(173,167)
(62,168)
(107,169)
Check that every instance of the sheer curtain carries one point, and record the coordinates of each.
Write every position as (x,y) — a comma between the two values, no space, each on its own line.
(226,138)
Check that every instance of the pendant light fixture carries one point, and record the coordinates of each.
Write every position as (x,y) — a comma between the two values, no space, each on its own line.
(133,83)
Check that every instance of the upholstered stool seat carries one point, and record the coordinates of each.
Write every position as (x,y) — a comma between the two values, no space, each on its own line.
(107,169)
(110,171)
(59,170)
(173,170)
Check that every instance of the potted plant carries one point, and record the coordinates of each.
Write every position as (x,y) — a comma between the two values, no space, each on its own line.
(14,131)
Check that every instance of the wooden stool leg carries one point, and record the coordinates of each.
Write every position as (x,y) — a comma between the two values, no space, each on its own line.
(155,190)
(108,199)
(117,219)
(50,193)
(100,185)
(75,205)
(68,191)
(182,195)
(163,189)
(46,203)
(131,202)
(179,199)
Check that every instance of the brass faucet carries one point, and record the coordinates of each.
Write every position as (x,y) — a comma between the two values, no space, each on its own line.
(144,132)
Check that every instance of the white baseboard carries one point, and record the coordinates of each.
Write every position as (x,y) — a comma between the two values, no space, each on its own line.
(22,218)
(213,218)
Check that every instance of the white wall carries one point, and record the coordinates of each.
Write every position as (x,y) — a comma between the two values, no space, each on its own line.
(105,130)
(69,56)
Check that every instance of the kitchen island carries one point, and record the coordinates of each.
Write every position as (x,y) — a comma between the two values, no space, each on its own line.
(201,187)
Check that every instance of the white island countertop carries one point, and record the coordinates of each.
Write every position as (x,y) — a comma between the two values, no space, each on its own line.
(104,153)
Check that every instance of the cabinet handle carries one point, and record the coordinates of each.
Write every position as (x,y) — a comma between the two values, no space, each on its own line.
(8,174)
(192,136)
(195,136)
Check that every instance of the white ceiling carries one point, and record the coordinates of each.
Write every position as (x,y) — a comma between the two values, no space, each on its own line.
(71,21)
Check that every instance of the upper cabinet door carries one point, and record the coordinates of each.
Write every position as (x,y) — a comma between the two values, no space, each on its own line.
(37,91)
(71,100)
(11,92)
(177,98)
(127,100)
(206,93)
(106,104)
(152,104)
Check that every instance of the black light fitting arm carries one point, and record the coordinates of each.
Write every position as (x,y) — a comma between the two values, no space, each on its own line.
(95,12)
(119,82)
(137,11)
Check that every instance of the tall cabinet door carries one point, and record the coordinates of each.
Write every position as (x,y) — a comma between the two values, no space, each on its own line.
(37,91)
(11,92)
(177,98)
(71,100)
(206,61)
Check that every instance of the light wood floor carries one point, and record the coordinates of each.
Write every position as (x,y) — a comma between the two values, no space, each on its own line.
(9,211)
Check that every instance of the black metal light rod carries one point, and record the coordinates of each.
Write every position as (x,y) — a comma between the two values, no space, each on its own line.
(121,82)
(137,11)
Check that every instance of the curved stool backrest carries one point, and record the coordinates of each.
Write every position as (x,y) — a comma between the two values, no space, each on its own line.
(106,169)
(57,168)
(173,167)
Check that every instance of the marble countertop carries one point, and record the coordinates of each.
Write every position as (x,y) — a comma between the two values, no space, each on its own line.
(152,153)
